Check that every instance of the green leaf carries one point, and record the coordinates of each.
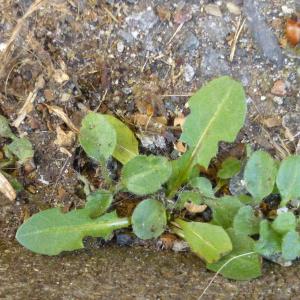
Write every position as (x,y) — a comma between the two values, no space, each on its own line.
(187,196)
(224,210)
(284,222)
(97,137)
(245,222)
(5,130)
(149,219)
(269,242)
(22,148)
(230,167)
(203,185)
(210,242)
(288,179)
(51,231)
(245,267)
(127,144)
(98,202)
(218,112)
(144,175)
(291,245)
(260,173)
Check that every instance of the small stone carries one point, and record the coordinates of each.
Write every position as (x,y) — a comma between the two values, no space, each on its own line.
(190,43)
(126,36)
(263,98)
(237,185)
(188,73)
(287,10)
(182,16)
(279,88)
(213,10)
(120,47)
(2,47)
(278,100)
(291,122)
(233,8)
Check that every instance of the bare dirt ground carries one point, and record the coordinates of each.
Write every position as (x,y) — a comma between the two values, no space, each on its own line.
(134,59)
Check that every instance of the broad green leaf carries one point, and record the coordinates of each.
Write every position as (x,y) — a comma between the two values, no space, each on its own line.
(269,242)
(203,185)
(210,242)
(245,267)
(22,148)
(187,196)
(230,167)
(98,202)
(284,222)
(97,137)
(224,210)
(218,112)
(149,219)
(291,245)
(127,144)
(145,175)
(260,173)
(5,130)
(288,179)
(245,222)
(50,232)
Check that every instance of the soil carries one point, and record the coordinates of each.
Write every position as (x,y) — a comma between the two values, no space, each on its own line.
(133,59)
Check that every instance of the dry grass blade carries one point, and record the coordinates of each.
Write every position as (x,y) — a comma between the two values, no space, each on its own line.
(6,188)
(27,106)
(237,34)
(4,57)
(62,115)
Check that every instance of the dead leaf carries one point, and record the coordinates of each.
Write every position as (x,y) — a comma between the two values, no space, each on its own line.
(60,76)
(293,31)
(279,88)
(6,189)
(163,13)
(272,122)
(62,115)
(179,120)
(180,147)
(63,138)
(233,8)
(156,124)
(195,208)
(166,241)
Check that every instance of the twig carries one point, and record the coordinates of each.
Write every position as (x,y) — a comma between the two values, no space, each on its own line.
(176,31)
(237,34)
(6,188)
(111,15)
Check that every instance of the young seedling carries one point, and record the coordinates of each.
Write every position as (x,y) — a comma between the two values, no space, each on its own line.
(225,243)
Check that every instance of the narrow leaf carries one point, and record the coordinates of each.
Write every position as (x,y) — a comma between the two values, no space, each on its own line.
(145,174)
(288,179)
(149,219)
(50,232)
(245,267)
(210,242)
(260,173)
(127,144)
(97,136)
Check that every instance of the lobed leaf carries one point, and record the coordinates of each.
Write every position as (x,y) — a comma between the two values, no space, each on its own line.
(260,174)
(232,266)
(145,175)
(97,136)
(288,179)
(127,144)
(149,219)
(210,242)
(50,232)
